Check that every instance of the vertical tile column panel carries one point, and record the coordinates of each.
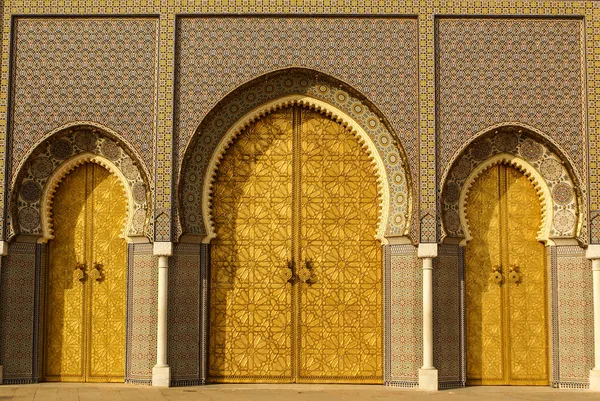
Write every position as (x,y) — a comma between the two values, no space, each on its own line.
(575,318)
(142,285)
(204,276)
(446,316)
(183,316)
(405,317)
(164,137)
(18,314)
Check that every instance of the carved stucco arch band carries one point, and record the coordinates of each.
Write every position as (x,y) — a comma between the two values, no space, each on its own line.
(76,145)
(314,104)
(59,175)
(530,172)
(564,206)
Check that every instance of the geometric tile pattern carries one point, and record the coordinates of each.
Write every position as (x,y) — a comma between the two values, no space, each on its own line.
(516,141)
(213,128)
(447,277)
(405,321)
(17,312)
(183,315)
(141,314)
(522,70)
(84,69)
(575,317)
(36,170)
(375,56)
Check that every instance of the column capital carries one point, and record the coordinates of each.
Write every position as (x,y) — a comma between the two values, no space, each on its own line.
(427,250)
(593,251)
(3,248)
(163,249)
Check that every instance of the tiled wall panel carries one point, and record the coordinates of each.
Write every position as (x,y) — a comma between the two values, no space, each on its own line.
(575,323)
(447,350)
(184,315)
(141,313)
(376,56)
(523,70)
(405,318)
(101,70)
(18,322)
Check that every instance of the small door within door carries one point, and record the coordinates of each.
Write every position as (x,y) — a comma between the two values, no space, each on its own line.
(85,297)
(505,282)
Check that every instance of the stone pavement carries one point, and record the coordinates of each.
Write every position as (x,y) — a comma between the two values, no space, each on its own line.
(238,392)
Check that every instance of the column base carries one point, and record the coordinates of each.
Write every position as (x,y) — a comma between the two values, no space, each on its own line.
(428,379)
(595,380)
(161,376)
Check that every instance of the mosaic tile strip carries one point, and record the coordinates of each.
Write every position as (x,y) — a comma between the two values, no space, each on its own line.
(164,192)
(50,154)
(84,69)
(446,315)
(427,128)
(493,70)
(258,92)
(368,54)
(183,338)
(17,313)
(204,317)
(569,203)
(406,323)
(141,314)
(575,316)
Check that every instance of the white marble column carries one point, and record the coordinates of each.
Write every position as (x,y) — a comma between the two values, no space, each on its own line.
(428,374)
(161,373)
(593,253)
(3,252)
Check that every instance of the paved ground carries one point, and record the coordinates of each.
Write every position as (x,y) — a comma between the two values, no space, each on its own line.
(127,392)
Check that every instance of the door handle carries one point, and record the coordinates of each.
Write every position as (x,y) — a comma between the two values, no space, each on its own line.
(514,275)
(496,275)
(288,274)
(96,273)
(79,272)
(306,274)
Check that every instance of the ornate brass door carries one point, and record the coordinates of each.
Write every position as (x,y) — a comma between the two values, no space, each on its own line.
(296,277)
(505,276)
(86,279)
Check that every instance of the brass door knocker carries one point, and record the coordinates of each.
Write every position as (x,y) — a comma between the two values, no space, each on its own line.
(514,275)
(79,272)
(497,274)
(97,273)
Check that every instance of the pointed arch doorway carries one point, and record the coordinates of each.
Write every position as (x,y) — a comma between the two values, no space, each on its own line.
(85,291)
(505,282)
(296,272)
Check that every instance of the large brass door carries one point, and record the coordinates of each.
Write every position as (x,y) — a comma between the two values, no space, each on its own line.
(86,280)
(296,275)
(505,276)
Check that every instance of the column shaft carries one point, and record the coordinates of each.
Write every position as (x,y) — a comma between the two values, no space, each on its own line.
(427,313)
(161,338)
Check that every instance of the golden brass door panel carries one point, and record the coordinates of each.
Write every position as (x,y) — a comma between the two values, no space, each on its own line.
(339,317)
(250,297)
(86,279)
(296,288)
(65,301)
(505,282)
(526,290)
(107,280)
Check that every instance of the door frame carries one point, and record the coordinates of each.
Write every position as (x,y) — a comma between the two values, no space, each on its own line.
(43,256)
(546,205)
